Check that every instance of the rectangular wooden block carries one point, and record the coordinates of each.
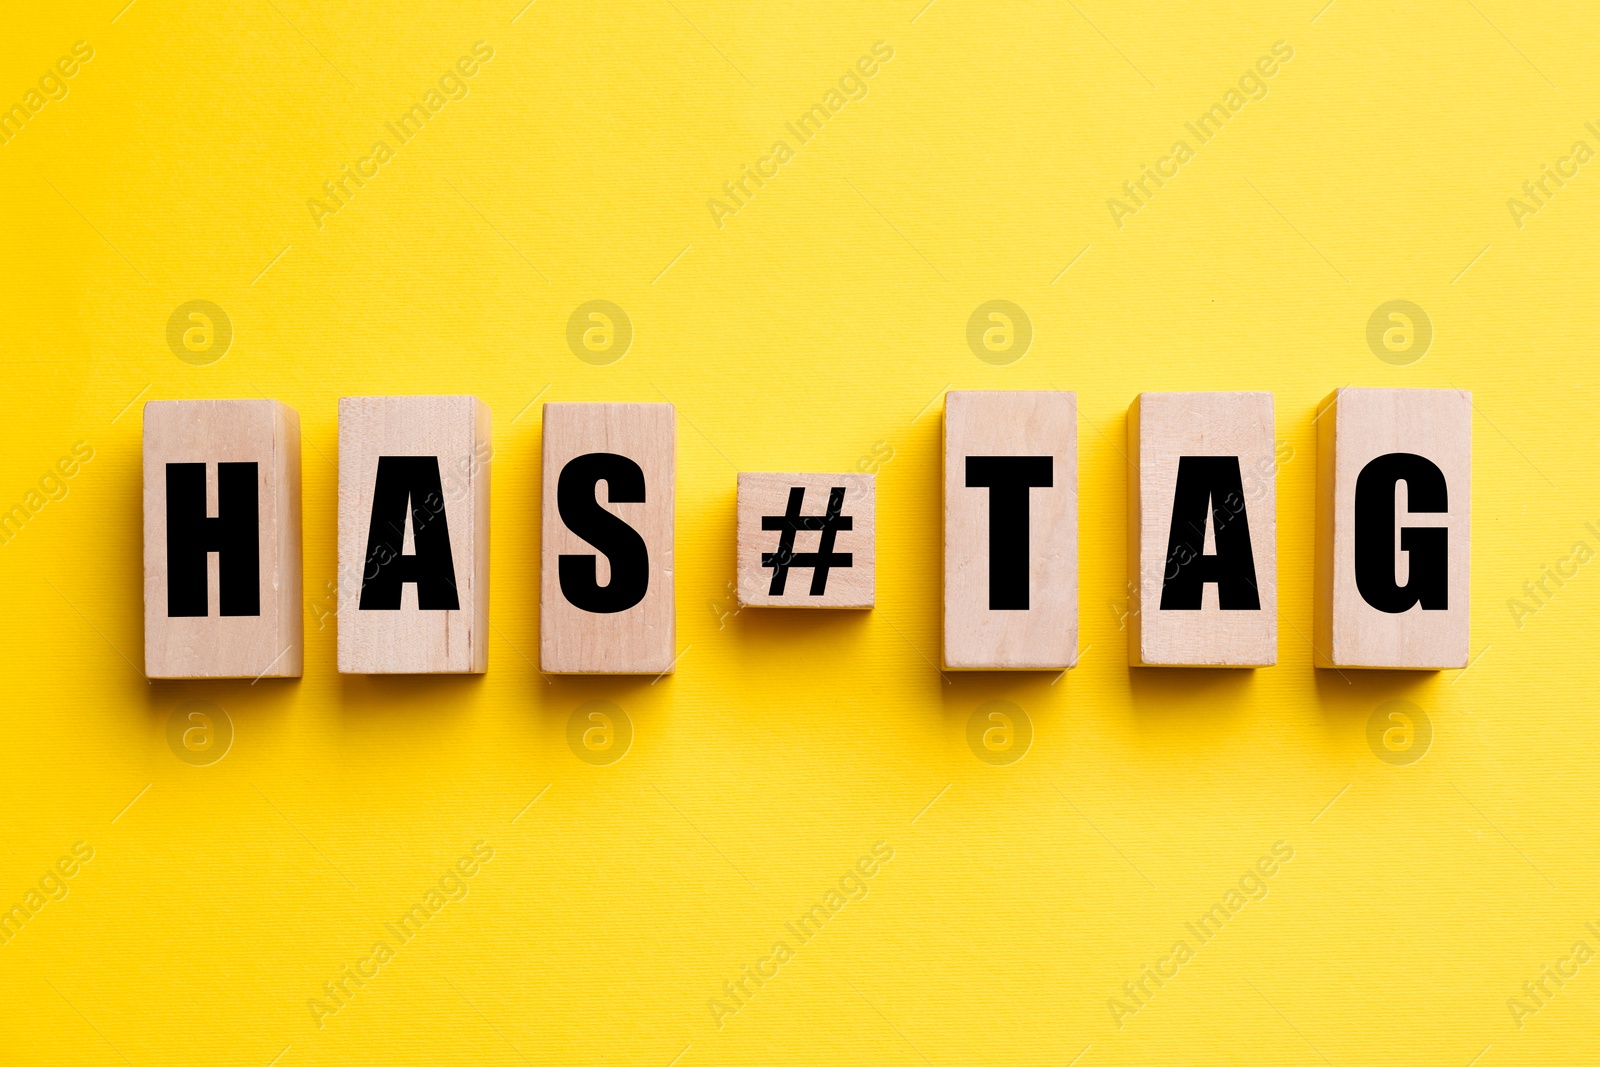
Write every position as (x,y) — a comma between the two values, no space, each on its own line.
(414,535)
(606,573)
(222,589)
(807,540)
(1393,564)
(1010,530)
(1202,531)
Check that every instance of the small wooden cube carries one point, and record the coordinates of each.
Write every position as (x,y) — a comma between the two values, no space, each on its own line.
(414,535)
(606,574)
(1010,530)
(222,588)
(807,540)
(1393,566)
(1202,531)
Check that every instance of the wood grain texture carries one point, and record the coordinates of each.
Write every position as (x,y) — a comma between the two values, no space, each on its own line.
(455,432)
(1356,427)
(643,638)
(1163,428)
(271,643)
(1044,634)
(768,495)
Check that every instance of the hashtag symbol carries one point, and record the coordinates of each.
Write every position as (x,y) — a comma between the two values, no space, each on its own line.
(790,523)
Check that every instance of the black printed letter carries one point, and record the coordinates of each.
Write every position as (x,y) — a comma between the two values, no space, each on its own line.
(1209,483)
(581,511)
(1428,583)
(412,480)
(1008,479)
(233,535)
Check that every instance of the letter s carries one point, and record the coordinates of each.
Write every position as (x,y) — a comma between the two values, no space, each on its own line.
(621,543)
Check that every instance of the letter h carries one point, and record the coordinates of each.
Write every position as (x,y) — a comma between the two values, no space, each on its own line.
(233,534)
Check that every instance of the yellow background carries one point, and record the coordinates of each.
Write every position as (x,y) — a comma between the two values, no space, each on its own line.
(825,318)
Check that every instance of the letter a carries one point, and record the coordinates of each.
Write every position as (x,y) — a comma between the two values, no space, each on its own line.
(412,480)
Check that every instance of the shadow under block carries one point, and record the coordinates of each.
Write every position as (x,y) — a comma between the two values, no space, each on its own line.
(1202,531)
(1393,563)
(606,559)
(807,540)
(222,586)
(413,535)
(1010,530)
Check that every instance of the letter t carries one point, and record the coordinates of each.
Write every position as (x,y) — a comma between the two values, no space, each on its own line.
(1008,479)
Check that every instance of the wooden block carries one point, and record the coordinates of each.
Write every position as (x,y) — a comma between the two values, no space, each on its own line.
(1393,565)
(414,535)
(807,540)
(1010,530)
(222,589)
(605,589)
(1202,531)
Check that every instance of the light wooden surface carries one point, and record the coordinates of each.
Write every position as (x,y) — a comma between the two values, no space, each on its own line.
(1163,428)
(1355,427)
(267,645)
(765,498)
(641,639)
(978,634)
(454,430)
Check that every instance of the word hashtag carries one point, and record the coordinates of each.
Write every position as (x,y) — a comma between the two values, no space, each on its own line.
(790,522)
